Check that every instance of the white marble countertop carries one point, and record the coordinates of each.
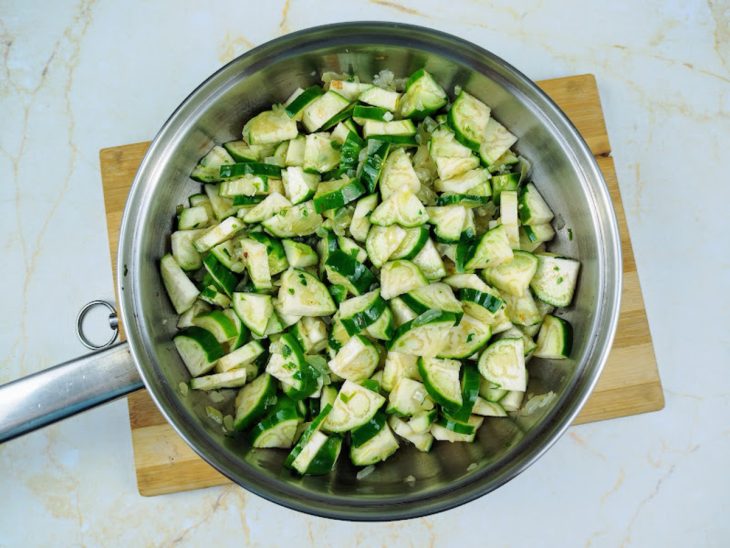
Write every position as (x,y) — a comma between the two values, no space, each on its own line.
(79,76)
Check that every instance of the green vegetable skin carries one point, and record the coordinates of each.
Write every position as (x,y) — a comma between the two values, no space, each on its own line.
(345,273)
(250,168)
(373,166)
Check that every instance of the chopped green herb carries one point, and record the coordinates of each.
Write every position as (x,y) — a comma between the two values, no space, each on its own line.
(291,291)
(286,351)
(570,234)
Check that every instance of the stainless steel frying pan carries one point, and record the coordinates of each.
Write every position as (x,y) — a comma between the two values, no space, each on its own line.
(563,167)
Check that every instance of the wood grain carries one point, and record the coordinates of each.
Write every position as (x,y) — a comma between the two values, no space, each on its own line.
(629,383)
(579,99)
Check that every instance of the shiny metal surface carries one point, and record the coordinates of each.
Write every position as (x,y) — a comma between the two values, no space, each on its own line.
(113,324)
(66,389)
(564,170)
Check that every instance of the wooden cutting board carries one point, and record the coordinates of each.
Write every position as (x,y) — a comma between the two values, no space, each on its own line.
(629,383)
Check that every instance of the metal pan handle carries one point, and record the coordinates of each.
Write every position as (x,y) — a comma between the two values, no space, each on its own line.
(66,389)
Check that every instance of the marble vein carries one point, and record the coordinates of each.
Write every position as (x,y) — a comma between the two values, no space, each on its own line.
(616,486)
(232,46)
(583,444)
(675,62)
(637,207)
(54,489)
(644,502)
(71,37)
(594,537)
(399,7)
(180,538)
(284,20)
(720,11)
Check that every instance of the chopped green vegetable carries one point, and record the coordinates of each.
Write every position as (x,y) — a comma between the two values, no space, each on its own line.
(366,261)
